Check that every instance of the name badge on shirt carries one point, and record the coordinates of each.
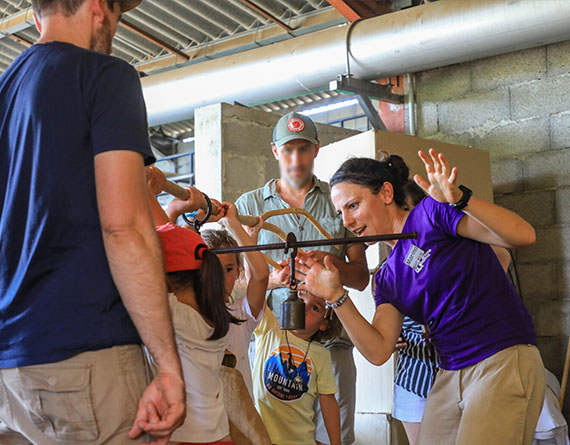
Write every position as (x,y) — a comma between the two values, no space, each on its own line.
(416,258)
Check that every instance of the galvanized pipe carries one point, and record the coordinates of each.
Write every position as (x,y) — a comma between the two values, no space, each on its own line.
(428,36)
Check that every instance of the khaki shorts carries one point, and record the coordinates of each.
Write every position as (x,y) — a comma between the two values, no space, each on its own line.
(494,402)
(90,398)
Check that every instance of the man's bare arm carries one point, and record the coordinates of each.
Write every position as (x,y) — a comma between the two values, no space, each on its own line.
(135,260)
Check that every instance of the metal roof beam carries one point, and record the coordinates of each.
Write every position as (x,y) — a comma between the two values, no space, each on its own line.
(16,22)
(245,41)
(134,28)
(267,15)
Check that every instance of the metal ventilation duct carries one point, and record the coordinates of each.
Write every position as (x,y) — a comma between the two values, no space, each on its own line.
(414,39)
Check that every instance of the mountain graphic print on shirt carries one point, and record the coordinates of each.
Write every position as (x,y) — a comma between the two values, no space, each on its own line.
(282,378)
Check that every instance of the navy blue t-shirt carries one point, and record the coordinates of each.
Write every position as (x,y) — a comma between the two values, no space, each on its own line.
(60,106)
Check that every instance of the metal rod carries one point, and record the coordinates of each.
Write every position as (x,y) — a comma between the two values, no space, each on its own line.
(176,156)
(319,242)
(164,45)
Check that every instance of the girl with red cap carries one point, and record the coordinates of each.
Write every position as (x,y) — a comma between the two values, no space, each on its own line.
(201,320)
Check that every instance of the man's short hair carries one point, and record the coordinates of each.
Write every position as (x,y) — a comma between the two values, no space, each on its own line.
(44,8)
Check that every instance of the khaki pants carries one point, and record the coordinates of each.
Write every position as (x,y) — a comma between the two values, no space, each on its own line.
(494,402)
(90,398)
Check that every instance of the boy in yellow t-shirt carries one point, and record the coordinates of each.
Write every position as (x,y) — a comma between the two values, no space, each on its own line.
(290,370)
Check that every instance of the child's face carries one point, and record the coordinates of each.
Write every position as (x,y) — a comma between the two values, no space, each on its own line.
(314,314)
(231,270)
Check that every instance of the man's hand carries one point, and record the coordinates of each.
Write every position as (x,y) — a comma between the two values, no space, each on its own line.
(155,179)
(162,408)
(177,207)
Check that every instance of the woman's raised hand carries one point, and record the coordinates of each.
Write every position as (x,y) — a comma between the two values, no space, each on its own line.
(441,177)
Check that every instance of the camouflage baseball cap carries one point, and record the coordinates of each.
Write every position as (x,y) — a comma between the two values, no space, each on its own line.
(294,126)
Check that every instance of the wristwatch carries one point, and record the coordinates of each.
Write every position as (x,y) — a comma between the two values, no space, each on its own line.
(462,203)
(338,302)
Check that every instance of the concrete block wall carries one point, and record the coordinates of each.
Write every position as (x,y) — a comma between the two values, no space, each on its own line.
(517,106)
(233,148)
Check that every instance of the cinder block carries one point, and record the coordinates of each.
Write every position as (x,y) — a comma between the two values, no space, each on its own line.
(514,138)
(563,205)
(564,280)
(507,175)
(558,58)
(508,69)
(535,207)
(426,118)
(252,139)
(552,244)
(538,281)
(473,110)
(443,83)
(541,97)
(551,352)
(270,169)
(560,130)
(547,169)
(329,133)
(549,317)
(564,317)
(453,138)
(246,173)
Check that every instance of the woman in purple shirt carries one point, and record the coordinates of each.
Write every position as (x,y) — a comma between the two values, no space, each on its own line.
(490,387)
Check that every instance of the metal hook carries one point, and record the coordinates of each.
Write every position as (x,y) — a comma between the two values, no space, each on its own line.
(290,243)
(197,224)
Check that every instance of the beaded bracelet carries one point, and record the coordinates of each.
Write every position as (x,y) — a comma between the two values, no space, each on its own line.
(337,303)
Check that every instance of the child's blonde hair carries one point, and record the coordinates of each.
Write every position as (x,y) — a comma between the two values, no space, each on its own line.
(333,329)
(216,239)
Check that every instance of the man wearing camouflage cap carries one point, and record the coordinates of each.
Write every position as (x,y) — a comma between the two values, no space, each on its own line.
(81,274)
(295,146)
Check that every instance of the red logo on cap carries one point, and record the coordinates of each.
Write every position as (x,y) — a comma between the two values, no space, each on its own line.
(295,125)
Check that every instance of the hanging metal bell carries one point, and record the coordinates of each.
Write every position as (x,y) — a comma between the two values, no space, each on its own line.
(292,312)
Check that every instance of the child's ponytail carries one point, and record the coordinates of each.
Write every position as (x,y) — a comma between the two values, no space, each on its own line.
(210,292)
(188,262)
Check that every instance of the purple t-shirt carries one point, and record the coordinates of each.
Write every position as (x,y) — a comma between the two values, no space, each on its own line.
(455,286)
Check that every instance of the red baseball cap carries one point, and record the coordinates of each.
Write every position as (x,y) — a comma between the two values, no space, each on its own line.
(182,248)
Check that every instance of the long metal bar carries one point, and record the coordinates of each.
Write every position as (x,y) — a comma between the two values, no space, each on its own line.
(318,243)
(371,112)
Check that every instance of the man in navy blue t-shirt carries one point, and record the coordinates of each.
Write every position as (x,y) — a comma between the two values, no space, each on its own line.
(81,274)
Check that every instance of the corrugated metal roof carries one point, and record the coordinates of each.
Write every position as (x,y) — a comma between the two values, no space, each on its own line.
(181,24)
(185,25)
